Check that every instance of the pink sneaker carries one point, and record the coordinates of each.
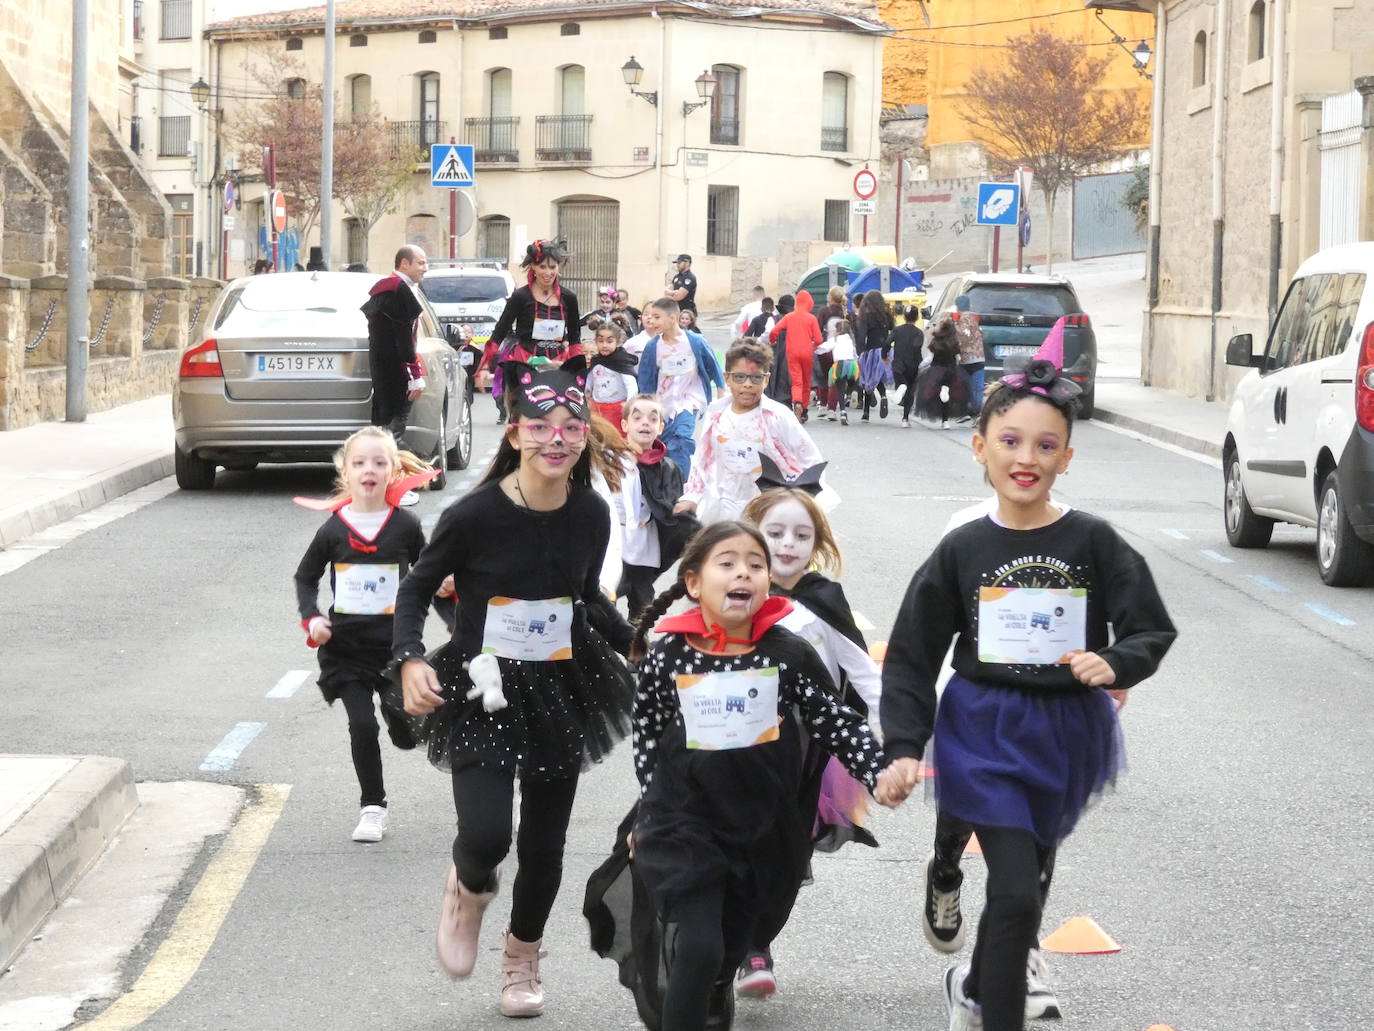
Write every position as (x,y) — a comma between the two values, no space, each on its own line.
(755,979)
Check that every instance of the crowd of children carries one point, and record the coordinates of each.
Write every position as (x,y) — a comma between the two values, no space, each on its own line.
(761,728)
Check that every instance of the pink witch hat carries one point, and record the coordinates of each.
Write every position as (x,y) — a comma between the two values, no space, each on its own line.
(1043,373)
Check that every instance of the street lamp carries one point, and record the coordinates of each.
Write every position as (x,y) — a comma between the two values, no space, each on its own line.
(1142,54)
(633,72)
(200,92)
(706,89)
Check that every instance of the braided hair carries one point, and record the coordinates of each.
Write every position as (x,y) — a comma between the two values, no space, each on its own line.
(694,556)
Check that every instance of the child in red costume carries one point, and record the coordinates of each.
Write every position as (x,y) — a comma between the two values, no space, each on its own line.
(803,337)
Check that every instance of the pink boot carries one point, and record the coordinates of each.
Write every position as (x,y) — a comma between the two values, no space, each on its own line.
(460,924)
(522,994)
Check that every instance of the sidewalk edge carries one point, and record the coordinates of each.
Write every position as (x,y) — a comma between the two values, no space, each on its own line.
(1177,438)
(89,494)
(46,852)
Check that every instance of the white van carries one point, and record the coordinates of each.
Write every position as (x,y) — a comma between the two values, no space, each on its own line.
(1299,442)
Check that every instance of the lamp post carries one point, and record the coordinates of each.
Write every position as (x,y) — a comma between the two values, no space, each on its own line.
(633,72)
(706,89)
(1140,56)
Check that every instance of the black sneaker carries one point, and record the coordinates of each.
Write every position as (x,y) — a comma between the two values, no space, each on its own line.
(1041,1002)
(941,919)
(882,407)
(755,979)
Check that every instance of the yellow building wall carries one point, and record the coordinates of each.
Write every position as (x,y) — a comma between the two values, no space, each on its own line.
(36,46)
(933,66)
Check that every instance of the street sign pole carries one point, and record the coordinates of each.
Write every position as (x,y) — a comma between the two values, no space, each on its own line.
(865,230)
(996,246)
(452,218)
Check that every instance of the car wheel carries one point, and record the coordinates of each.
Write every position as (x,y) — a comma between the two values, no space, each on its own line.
(192,473)
(1086,403)
(460,454)
(1244,529)
(1343,559)
(440,450)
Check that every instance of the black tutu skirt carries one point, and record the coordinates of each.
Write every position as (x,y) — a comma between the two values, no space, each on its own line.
(934,377)
(560,717)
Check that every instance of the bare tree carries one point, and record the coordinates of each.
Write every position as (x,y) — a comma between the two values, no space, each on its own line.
(371,169)
(1044,107)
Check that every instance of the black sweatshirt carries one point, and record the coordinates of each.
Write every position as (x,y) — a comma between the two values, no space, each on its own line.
(496,548)
(942,603)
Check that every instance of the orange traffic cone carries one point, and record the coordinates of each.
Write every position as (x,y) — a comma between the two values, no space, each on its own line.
(877,651)
(1080,936)
(1159,1027)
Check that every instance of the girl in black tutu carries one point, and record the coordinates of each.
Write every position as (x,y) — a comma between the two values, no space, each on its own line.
(942,372)
(530,683)
(726,701)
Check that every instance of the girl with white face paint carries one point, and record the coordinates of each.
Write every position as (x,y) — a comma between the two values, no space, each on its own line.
(802,550)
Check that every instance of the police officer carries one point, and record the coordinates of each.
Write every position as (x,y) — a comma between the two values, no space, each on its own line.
(684,288)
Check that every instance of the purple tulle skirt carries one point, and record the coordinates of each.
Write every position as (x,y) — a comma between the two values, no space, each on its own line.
(1024,759)
(873,370)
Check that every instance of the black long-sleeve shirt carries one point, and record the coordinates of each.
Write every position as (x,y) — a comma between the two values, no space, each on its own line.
(495,548)
(522,310)
(1126,621)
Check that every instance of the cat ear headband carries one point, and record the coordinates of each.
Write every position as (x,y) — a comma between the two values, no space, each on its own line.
(1043,374)
(538,391)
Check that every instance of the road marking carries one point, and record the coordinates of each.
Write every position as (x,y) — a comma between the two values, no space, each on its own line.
(1269,585)
(1163,445)
(1216,556)
(198,924)
(227,752)
(1177,535)
(1330,615)
(861,621)
(289,684)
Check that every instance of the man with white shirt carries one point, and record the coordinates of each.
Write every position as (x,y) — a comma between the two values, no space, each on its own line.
(393,313)
(750,312)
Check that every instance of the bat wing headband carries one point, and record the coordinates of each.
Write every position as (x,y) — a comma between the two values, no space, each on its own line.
(537,391)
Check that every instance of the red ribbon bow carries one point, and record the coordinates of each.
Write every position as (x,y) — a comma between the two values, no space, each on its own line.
(719,640)
(358,545)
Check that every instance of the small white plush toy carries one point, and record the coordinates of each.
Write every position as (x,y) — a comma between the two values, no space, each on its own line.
(485,671)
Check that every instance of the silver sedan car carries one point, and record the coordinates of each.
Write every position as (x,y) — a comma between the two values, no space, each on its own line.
(283,376)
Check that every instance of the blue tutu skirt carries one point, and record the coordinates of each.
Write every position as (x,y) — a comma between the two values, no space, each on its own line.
(1022,759)
(873,370)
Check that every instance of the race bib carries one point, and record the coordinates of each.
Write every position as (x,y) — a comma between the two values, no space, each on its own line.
(464,358)
(740,459)
(733,709)
(1031,625)
(365,589)
(548,329)
(679,364)
(530,631)
(608,387)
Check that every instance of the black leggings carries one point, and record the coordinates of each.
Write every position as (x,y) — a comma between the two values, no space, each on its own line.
(951,838)
(1008,927)
(362,737)
(484,800)
(909,397)
(711,939)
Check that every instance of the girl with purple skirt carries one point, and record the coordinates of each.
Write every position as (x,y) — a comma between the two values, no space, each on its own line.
(1053,617)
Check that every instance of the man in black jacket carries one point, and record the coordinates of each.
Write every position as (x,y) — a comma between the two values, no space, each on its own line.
(393,312)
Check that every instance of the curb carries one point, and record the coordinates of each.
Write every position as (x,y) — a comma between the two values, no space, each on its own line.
(88,494)
(44,854)
(1186,441)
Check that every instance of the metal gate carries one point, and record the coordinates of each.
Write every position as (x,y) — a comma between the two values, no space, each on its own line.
(1101,223)
(1341,185)
(591,229)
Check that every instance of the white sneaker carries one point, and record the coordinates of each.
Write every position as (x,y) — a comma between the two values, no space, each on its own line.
(371,824)
(1041,1002)
(964,1014)
(409,498)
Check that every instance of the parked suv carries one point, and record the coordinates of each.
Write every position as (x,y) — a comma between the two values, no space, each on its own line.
(470,294)
(1299,444)
(1016,312)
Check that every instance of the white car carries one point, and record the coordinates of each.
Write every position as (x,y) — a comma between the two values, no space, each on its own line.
(471,295)
(1299,444)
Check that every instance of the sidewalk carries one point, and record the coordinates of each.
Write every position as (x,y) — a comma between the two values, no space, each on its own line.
(1189,423)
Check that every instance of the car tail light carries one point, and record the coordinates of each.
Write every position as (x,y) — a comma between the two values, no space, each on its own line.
(201,360)
(1076,320)
(1364,381)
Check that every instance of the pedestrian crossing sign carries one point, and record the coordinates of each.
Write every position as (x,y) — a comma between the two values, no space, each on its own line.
(450,164)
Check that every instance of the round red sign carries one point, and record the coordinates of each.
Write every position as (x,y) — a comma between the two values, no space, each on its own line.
(279,211)
(865,184)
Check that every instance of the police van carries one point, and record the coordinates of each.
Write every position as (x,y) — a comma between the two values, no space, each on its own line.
(1299,444)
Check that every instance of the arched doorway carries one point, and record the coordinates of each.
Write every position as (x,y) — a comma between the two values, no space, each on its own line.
(591,227)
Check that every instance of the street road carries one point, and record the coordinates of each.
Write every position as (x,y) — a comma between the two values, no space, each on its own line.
(1231,864)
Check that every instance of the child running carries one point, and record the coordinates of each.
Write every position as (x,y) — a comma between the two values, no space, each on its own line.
(906,341)
(942,374)
(368,545)
(611,376)
(737,432)
(726,705)
(679,368)
(802,549)
(529,684)
(1054,617)
(844,369)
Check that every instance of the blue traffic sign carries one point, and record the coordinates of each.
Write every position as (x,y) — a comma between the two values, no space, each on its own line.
(999,204)
(451,165)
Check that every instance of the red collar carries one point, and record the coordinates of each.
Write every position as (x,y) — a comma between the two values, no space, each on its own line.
(653,454)
(692,622)
(394,492)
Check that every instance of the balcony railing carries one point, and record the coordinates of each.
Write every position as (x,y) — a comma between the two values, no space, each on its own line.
(138,19)
(136,134)
(416,136)
(835,137)
(173,136)
(176,19)
(725,131)
(493,139)
(563,138)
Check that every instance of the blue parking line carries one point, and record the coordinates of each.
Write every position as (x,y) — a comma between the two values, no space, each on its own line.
(1216,556)
(1269,585)
(1330,615)
(227,752)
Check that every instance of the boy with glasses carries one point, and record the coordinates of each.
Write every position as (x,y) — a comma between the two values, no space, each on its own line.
(738,432)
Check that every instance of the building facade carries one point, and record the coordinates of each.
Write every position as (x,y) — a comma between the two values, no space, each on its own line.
(1261,157)
(753,182)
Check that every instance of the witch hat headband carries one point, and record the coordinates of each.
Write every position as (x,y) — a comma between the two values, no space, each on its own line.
(1043,373)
